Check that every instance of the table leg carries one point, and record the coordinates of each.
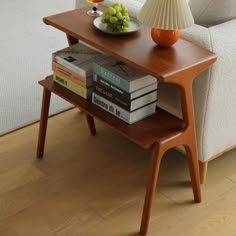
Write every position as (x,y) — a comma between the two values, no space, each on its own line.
(157,153)
(91,124)
(191,152)
(189,141)
(43,122)
(90,120)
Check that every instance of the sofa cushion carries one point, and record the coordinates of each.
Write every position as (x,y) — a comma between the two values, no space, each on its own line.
(212,12)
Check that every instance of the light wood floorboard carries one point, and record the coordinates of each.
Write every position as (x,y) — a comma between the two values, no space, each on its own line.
(95,186)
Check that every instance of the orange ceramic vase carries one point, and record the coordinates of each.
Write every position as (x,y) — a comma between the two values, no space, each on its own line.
(165,37)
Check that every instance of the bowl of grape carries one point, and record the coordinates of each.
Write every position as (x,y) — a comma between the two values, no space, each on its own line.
(116,20)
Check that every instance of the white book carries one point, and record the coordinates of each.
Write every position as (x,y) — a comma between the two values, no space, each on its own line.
(128,117)
(78,58)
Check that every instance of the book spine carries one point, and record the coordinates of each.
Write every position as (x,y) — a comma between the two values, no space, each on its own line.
(111,77)
(76,88)
(75,77)
(111,108)
(111,96)
(70,66)
(111,87)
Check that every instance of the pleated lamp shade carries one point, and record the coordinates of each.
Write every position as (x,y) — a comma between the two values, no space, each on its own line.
(166,17)
(166,14)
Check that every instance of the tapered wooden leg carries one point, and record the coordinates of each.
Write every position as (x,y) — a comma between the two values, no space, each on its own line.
(203,171)
(151,187)
(190,136)
(91,124)
(43,122)
(192,157)
(71,41)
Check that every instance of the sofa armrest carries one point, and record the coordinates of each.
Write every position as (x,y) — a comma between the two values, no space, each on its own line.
(216,38)
(199,35)
(213,90)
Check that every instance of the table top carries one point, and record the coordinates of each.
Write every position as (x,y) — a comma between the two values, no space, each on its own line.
(136,49)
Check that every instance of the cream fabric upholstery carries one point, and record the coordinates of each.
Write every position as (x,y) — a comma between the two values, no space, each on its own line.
(212,12)
(214,90)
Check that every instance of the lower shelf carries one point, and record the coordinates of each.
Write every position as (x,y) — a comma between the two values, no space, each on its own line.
(155,128)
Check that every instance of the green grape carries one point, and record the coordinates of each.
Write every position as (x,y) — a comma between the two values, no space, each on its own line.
(118,27)
(114,11)
(113,20)
(125,29)
(124,9)
(125,23)
(105,18)
(117,18)
(118,9)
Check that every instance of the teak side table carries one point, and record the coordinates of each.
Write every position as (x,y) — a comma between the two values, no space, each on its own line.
(178,64)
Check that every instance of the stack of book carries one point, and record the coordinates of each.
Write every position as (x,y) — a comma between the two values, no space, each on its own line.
(72,68)
(124,91)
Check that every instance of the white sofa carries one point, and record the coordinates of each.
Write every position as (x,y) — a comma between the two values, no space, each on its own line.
(213,90)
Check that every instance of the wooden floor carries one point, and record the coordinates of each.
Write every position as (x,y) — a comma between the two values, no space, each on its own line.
(95,186)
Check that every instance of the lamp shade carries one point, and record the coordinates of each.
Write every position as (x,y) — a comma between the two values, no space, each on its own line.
(166,14)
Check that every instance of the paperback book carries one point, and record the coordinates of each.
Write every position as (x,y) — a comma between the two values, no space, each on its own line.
(76,88)
(128,117)
(127,104)
(122,75)
(115,89)
(78,58)
(73,76)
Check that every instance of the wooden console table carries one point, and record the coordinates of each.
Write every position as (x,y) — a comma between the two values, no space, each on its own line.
(179,65)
